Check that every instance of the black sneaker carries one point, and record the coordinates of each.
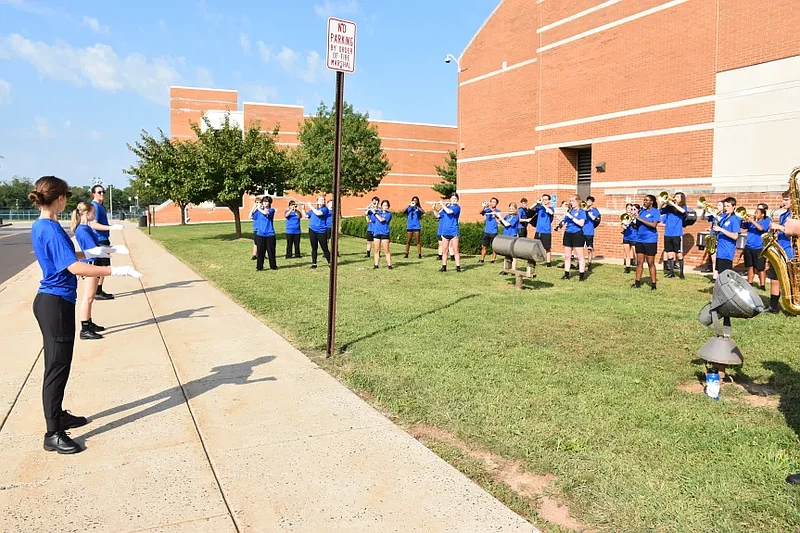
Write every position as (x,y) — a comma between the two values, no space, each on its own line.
(636,285)
(313,266)
(253,258)
(366,254)
(375,267)
(653,287)
(763,288)
(420,256)
(443,269)
(88,334)
(565,276)
(61,443)
(69,421)
(94,327)
(405,256)
(103,296)
(389,267)
(439,257)
(458,269)
(548,265)
(480,260)
(627,270)
(773,310)
(580,276)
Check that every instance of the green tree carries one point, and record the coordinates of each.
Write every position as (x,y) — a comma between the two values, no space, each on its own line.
(448,173)
(14,193)
(79,194)
(364,164)
(235,162)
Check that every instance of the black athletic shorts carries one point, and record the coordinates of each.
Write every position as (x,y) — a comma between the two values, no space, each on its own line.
(546,238)
(574,240)
(487,239)
(752,258)
(672,244)
(589,241)
(103,261)
(448,237)
(381,237)
(722,265)
(647,248)
(771,274)
(370,236)
(626,241)
(522,231)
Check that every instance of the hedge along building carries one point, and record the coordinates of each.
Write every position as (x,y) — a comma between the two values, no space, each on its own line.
(623,98)
(412,149)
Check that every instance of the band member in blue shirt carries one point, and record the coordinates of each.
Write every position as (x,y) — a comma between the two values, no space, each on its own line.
(54,305)
(263,216)
(647,221)
(102,229)
(673,216)
(510,222)
(574,239)
(439,234)
(370,225)
(727,228)
(629,239)
(450,212)
(544,223)
(317,214)
(592,221)
(488,210)
(756,227)
(414,213)
(712,219)
(786,227)
(87,240)
(293,215)
(381,218)
(526,216)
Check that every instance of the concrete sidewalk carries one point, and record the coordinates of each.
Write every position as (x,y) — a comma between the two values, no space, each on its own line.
(204,419)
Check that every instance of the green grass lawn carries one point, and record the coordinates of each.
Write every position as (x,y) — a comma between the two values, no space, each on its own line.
(574,379)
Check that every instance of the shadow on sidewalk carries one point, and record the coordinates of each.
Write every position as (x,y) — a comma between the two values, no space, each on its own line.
(173,285)
(233,374)
(177,315)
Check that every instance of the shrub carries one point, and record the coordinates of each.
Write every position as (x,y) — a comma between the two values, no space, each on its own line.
(469,241)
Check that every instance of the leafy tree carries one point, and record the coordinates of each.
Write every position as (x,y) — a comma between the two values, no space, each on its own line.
(79,194)
(364,164)
(448,173)
(235,162)
(14,193)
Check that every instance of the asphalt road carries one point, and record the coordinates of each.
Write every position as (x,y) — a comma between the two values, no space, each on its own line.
(16,252)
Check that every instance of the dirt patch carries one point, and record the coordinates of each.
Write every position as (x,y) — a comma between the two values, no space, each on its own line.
(538,489)
(755,394)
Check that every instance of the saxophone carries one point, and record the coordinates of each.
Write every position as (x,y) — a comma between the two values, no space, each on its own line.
(788,270)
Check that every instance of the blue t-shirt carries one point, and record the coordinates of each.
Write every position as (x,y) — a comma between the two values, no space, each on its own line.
(783,240)
(544,223)
(450,221)
(630,234)
(101,217)
(513,229)
(55,253)
(646,234)
(262,223)
(413,220)
(441,225)
(292,222)
(381,228)
(588,228)
(726,247)
(371,220)
(754,240)
(572,227)
(491,223)
(329,220)
(86,239)
(673,221)
(318,221)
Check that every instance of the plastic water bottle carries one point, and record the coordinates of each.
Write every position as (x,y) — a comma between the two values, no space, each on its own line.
(712,384)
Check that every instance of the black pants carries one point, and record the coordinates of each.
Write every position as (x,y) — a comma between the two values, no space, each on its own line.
(265,245)
(292,240)
(318,239)
(522,231)
(56,318)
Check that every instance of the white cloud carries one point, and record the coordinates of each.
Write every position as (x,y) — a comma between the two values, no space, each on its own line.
(68,124)
(95,25)
(31,7)
(252,92)
(244,41)
(162,25)
(43,128)
(375,114)
(5,92)
(99,66)
(265,51)
(308,69)
(204,77)
(329,8)
(95,135)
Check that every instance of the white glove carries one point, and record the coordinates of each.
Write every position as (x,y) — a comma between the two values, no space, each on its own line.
(126,270)
(95,253)
(116,227)
(117,249)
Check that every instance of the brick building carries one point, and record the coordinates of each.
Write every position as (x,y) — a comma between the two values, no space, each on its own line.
(413,149)
(622,98)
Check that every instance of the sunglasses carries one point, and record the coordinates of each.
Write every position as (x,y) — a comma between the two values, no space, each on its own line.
(100,192)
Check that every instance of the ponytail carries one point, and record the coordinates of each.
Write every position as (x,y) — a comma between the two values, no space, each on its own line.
(75,220)
(77,216)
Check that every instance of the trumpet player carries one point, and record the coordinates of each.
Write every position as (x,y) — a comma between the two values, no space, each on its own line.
(526,216)
(370,225)
(413,225)
(713,216)
(263,215)
(489,210)
(756,227)
(647,221)
(317,215)
(544,224)
(592,221)
(293,214)
(628,236)
(786,227)
(450,213)
(673,215)
(574,239)
(381,219)
(510,222)
(727,227)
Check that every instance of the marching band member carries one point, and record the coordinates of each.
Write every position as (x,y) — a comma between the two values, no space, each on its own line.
(370,226)
(413,225)
(316,231)
(544,224)
(647,221)
(673,215)
(526,216)
(329,228)
(756,227)
(87,239)
(511,226)
(381,218)
(450,212)
(712,218)
(489,210)
(263,215)
(574,239)
(629,239)
(727,228)
(786,227)
(592,221)
(293,215)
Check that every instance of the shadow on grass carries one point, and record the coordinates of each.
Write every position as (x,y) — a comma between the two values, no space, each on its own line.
(233,374)
(347,345)
(528,283)
(177,315)
(786,381)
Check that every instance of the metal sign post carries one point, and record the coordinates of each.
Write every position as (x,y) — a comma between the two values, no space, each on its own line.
(341,57)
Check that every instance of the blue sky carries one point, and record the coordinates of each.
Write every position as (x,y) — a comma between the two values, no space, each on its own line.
(79,79)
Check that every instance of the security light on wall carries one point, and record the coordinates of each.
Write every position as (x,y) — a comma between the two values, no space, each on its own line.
(601,166)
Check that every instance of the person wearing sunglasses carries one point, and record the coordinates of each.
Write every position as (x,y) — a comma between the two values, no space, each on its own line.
(102,231)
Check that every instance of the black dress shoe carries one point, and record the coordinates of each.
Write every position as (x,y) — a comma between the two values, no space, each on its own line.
(94,327)
(88,334)
(69,421)
(103,296)
(61,443)
(794,479)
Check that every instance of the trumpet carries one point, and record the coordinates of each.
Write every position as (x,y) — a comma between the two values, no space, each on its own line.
(707,207)
(664,199)
(741,212)
(583,205)
(626,220)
